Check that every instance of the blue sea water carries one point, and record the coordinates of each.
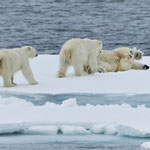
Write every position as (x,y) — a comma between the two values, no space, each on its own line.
(62,142)
(47,24)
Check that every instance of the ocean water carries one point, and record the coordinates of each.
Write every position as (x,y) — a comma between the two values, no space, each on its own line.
(61,142)
(47,24)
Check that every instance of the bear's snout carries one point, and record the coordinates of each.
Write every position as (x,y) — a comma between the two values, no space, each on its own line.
(146,67)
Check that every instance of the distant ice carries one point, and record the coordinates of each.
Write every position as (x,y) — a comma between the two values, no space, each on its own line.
(17,115)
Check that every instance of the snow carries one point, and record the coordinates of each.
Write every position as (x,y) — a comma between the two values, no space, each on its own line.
(17,115)
(145,146)
(45,69)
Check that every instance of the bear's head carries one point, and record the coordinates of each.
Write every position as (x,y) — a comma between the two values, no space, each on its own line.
(137,54)
(31,52)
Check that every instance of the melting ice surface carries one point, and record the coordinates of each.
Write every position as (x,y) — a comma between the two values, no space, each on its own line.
(82,99)
(74,121)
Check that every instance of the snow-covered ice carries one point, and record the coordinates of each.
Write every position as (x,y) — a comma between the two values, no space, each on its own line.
(45,69)
(70,118)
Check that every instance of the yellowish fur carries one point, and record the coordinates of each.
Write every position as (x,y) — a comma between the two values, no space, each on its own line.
(120,59)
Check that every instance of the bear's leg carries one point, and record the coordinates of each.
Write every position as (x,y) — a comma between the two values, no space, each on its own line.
(7,80)
(93,64)
(78,67)
(62,70)
(26,70)
(87,69)
(101,70)
(139,66)
(12,80)
(104,67)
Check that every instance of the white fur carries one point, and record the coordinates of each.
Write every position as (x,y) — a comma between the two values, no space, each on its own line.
(79,53)
(13,60)
(120,59)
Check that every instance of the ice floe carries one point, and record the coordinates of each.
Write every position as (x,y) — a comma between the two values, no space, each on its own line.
(45,129)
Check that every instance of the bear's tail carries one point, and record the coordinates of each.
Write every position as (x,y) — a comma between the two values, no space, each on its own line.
(67,56)
(64,62)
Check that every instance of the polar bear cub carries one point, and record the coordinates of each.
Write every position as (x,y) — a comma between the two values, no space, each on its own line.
(79,53)
(121,59)
(13,60)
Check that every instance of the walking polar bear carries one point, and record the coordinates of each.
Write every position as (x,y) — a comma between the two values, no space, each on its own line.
(13,60)
(79,53)
(121,59)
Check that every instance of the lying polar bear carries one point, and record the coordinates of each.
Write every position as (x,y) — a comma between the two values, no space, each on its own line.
(121,59)
(13,60)
(79,53)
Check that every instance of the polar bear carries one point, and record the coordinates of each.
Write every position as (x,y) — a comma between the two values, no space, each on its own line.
(121,59)
(79,53)
(13,60)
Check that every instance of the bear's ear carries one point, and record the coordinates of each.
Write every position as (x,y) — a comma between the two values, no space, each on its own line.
(134,49)
(28,48)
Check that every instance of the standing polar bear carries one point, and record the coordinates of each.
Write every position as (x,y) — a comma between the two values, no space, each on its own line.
(121,59)
(79,53)
(13,60)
